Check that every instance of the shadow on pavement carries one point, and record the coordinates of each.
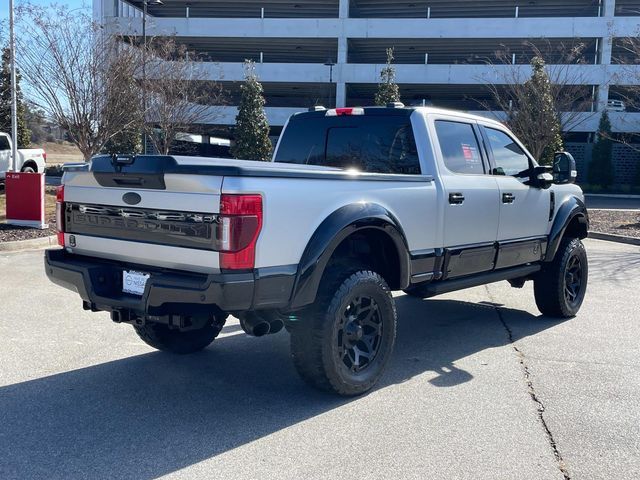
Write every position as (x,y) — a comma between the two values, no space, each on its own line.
(153,414)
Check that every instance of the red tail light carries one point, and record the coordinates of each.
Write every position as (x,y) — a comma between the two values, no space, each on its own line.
(238,230)
(44,155)
(60,214)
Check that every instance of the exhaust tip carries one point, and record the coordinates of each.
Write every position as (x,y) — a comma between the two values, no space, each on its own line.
(261,329)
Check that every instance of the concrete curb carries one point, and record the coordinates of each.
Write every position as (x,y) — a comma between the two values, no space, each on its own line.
(31,244)
(610,237)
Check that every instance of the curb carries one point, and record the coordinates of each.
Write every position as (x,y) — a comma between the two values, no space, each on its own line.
(31,244)
(614,238)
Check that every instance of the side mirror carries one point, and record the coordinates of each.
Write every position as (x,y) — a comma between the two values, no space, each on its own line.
(564,168)
(539,176)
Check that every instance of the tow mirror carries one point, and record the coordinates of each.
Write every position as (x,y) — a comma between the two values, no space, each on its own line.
(540,176)
(564,168)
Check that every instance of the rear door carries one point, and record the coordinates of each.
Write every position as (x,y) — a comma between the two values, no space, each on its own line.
(471,208)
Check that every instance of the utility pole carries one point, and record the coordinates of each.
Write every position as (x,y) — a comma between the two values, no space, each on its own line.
(14,93)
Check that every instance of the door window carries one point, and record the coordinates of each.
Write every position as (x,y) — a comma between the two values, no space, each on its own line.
(459,146)
(4,143)
(509,158)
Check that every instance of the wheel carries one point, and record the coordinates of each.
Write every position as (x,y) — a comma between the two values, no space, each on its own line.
(28,169)
(160,336)
(560,287)
(343,342)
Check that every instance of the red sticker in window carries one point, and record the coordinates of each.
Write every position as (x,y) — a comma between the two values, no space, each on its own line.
(470,153)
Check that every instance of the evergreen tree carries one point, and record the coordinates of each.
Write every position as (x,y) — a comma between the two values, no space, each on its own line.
(388,90)
(536,120)
(601,166)
(252,129)
(24,135)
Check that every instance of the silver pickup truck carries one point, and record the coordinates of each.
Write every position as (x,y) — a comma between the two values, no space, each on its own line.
(358,202)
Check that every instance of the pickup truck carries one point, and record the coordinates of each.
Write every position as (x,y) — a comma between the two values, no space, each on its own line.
(357,203)
(30,160)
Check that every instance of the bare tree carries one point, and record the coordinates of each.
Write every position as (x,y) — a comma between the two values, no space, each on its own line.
(178,93)
(80,74)
(629,79)
(527,102)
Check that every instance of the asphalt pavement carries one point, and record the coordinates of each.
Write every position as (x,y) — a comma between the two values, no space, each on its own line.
(481,386)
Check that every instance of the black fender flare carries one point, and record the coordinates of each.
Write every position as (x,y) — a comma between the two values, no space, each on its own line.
(329,235)
(572,208)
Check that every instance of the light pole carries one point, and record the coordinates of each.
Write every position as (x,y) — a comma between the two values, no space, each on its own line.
(14,89)
(145,4)
(330,63)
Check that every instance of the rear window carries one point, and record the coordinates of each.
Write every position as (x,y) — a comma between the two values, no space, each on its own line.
(375,143)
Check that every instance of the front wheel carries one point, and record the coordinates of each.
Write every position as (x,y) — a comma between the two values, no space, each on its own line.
(560,287)
(343,343)
(161,337)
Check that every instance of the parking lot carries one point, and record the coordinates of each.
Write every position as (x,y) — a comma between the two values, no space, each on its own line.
(480,387)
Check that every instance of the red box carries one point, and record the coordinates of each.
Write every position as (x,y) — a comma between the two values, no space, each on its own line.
(25,199)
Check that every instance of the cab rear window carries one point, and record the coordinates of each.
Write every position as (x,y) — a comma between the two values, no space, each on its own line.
(376,143)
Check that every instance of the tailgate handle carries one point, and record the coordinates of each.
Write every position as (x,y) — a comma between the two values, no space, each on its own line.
(129,181)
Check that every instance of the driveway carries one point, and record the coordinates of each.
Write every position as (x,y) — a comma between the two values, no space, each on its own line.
(480,387)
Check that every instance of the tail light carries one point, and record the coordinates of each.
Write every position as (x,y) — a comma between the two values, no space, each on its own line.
(60,214)
(44,156)
(238,230)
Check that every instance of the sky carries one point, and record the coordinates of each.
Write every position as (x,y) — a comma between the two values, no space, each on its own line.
(4,9)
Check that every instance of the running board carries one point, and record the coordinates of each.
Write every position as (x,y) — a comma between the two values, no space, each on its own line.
(446,286)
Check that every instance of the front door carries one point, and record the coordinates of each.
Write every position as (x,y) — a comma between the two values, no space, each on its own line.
(471,208)
(524,210)
(5,155)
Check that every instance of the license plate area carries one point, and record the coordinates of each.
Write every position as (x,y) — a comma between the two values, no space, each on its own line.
(134,282)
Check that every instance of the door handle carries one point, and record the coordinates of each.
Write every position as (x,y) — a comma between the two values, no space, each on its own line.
(508,198)
(456,198)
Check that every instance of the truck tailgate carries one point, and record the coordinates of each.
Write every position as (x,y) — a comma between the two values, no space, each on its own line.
(171,227)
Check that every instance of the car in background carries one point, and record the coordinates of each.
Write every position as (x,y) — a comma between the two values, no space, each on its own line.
(616,106)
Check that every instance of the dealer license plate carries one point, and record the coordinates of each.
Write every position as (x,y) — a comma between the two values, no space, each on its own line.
(134,282)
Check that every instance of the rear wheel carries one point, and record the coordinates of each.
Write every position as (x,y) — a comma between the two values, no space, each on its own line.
(28,169)
(343,343)
(560,287)
(161,337)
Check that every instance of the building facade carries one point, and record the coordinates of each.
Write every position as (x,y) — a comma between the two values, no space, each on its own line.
(330,52)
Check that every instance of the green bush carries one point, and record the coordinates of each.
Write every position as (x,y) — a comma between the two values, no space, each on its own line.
(601,166)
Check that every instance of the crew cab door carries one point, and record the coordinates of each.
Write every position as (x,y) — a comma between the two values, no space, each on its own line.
(471,198)
(524,209)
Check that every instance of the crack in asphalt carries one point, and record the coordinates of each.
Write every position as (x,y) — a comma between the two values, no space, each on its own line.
(532,392)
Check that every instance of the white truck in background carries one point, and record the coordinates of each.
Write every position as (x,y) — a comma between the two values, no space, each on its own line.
(30,160)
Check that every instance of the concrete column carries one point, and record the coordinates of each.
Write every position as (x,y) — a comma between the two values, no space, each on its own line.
(608,8)
(603,96)
(341,94)
(343,9)
(342,49)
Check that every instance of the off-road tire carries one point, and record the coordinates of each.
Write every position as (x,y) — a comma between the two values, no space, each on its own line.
(326,335)
(161,337)
(560,287)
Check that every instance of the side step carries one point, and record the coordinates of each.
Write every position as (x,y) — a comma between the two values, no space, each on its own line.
(436,288)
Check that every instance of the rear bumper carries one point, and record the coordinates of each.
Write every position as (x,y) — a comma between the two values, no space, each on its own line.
(168,292)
